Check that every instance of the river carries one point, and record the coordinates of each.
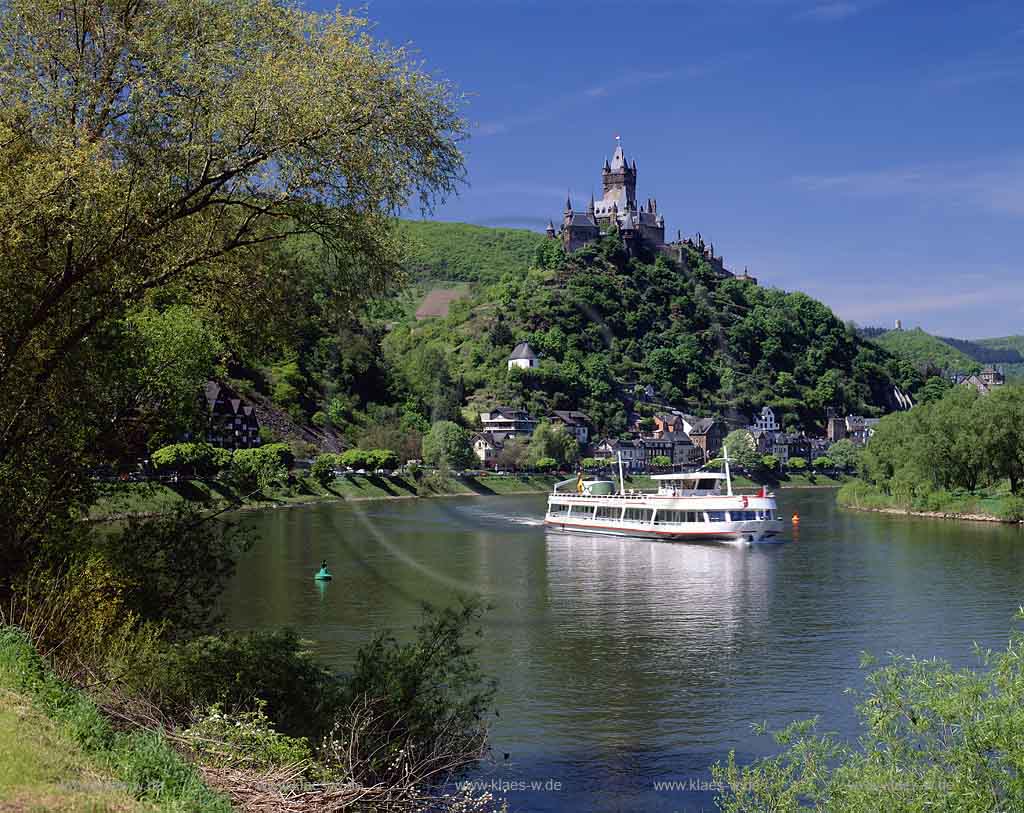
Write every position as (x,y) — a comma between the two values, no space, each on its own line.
(623,664)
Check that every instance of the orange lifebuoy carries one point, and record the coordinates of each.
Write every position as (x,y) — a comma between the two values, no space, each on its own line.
(796,519)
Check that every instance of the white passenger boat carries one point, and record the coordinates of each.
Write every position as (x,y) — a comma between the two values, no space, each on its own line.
(691,507)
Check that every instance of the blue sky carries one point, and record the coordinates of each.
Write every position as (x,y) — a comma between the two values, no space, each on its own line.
(867,152)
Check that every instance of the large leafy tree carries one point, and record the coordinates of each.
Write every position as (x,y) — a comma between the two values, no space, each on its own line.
(182,151)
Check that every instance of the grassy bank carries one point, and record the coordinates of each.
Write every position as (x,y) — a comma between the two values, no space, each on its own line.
(58,752)
(996,504)
(141,499)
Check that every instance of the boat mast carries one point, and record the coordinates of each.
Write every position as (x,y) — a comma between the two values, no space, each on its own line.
(728,476)
(622,482)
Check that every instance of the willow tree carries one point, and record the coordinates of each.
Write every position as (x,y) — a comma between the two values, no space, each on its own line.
(156,151)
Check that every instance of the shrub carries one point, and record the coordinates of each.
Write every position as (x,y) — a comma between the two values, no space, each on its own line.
(1012,509)
(324,466)
(270,671)
(191,458)
(545,464)
(243,740)
(260,467)
(932,738)
(415,706)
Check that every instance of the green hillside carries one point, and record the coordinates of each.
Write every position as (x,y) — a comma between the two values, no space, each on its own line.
(605,325)
(923,350)
(460,252)
(1008,344)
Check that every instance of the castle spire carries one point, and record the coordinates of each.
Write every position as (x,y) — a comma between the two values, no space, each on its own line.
(590,208)
(550,231)
(568,202)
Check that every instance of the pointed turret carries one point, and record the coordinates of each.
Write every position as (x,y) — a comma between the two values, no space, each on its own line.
(606,167)
(550,231)
(634,165)
(591,205)
(627,222)
(568,202)
(618,159)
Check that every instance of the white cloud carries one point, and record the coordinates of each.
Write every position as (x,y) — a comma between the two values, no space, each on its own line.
(830,12)
(993,186)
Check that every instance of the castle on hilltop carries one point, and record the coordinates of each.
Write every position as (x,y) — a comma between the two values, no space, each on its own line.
(641,226)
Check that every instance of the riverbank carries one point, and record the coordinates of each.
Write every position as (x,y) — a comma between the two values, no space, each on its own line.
(993,506)
(58,751)
(123,500)
(120,501)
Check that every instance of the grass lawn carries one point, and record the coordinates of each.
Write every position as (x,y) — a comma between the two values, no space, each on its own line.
(42,769)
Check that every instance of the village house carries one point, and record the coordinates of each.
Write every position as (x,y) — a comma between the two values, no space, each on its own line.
(786,446)
(231,423)
(984,382)
(523,357)
(506,422)
(668,424)
(766,421)
(835,425)
(487,447)
(633,456)
(860,429)
(707,434)
(575,423)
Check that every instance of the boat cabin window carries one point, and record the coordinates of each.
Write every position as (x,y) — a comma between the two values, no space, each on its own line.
(637,515)
(706,485)
(742,516)
(559,509)
(715,516)
(607,512)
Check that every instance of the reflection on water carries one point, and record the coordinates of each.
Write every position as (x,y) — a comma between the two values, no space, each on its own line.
(624,662)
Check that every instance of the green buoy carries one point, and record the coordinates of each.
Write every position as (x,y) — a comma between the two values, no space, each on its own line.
(323,574)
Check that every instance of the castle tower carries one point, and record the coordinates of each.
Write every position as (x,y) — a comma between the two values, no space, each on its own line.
(618,181)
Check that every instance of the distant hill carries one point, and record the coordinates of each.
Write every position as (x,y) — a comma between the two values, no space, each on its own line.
(924,350)
(460,252)
(955,355)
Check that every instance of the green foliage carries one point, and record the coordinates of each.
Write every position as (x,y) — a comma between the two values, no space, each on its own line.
(925,351)
(200,459)
(742,449)
(592,463)
(269,671)
(845,454)
(243,740)
(174,567)
(405,702)
(150,768)
(324,466)
(770,462)
(447,446)
(823,462)
(444,252)
(661,461)
(932,738)
(600,319)
(262,466)
(796,463)
(964,441)
(172,200)
(545,464)
(935,387)
(551,442)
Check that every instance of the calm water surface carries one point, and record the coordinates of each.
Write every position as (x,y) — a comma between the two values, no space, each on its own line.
(625,663)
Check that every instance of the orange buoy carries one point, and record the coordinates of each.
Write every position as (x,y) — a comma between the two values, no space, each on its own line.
(796,518)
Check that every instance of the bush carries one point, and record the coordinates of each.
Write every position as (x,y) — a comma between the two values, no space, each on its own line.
(545,464)
(421,703)
(243,740)
(191,458)
(268,671)
(261,467)
(932,738)
(1012,509)
(324,466)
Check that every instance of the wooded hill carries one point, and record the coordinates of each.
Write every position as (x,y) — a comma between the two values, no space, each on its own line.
(604,324)
(924,350)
